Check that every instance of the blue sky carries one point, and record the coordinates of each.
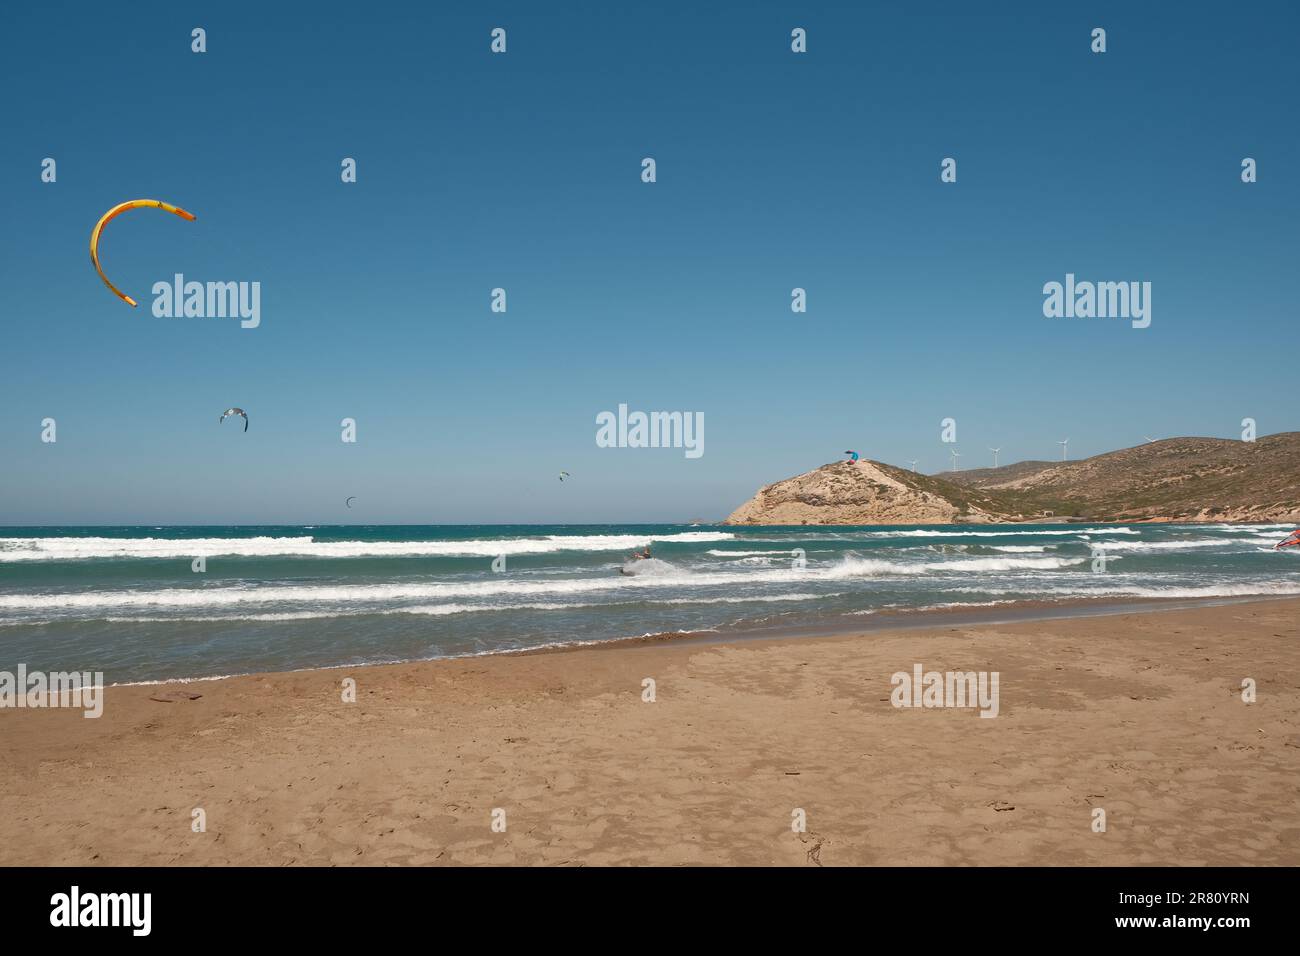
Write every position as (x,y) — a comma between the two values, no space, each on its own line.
(522,171)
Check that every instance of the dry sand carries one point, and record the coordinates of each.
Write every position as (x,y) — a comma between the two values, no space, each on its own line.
(1139,714)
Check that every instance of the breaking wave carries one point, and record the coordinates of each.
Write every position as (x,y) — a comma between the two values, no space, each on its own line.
(79,549)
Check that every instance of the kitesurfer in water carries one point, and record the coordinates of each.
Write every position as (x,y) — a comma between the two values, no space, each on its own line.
(633,558)
(1291,542)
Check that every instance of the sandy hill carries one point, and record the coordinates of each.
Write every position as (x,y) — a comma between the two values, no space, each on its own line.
(1177,479)
(1196,479)
(869,492)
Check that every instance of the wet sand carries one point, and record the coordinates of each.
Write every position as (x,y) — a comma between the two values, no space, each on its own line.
(1137,714)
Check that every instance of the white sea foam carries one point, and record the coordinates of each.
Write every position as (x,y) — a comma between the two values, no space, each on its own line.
(1003,531)
(1234,528)
(948,605)
(378,593)
(858,567)
(77,549)
(1106,589)
(1223,590)
(1183,544)
(749,554)
(650,568)
(1065,532)
(663,575)
(439,610)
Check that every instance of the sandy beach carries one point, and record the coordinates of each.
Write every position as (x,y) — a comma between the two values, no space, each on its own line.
(1140,715)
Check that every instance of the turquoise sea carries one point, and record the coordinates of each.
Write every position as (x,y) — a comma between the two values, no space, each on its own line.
(129,602)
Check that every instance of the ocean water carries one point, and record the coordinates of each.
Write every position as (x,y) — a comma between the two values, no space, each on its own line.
(126,601)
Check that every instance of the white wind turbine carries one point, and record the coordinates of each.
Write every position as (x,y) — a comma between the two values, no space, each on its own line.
(912,462)
(955,455)
(1150,440)
(995,456)
(1065,446)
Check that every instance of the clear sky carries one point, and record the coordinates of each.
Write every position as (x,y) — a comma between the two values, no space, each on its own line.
(523,171)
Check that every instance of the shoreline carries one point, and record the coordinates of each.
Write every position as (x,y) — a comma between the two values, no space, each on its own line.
(886,620)
(138,607)
(1139,714)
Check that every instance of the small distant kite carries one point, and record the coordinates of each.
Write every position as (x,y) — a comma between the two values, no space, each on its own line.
(350,500)
(1291,542)
(117,211)
(563,475)
(853,455)
(234,411)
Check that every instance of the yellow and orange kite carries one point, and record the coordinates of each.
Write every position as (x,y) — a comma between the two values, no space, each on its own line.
(117,211)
